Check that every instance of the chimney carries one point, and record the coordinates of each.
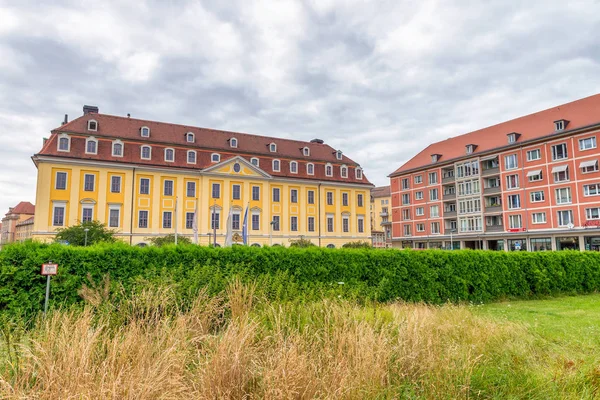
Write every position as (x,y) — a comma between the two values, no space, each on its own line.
(66,119)
(319,141)
(128,115)
(90,109)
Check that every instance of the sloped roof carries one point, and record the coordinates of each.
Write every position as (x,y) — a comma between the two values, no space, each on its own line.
(24,207)
(579,114)
(28,221)
(381,191)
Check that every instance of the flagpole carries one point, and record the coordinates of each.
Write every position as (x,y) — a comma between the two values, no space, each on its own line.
(176,198)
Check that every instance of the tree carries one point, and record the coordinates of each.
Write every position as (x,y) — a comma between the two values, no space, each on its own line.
(357,245)
(168,239)
(76,236)
(301,243)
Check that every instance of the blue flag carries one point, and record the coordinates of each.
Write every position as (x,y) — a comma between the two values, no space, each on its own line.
(245,226)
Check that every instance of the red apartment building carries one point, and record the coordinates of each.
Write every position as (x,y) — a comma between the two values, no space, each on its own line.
(528,184)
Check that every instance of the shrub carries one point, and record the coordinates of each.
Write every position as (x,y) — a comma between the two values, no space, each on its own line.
(76,235)
(168,239)
(357,245)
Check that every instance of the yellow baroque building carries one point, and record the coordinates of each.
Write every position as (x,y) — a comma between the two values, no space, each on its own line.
(145,179)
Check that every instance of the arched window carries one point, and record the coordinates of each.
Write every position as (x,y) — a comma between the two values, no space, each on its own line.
(191,157)
(64,143)
(344,171)
(276,165)
(189,137)
(233,142)
(91,146)
(272,147)
(328,170)
(254,161)
(145,131)
(310,169)
(331,246)
(306,151)
(358,173)
(117,148)
(338,154)
(255,245)
(146,152)
(293,167)
(169,155)
(92,125)
(215,157)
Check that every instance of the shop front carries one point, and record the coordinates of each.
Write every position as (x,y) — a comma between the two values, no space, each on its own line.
(497,245)
(517,244)
(540,244)
(567,243)
(592,243)
(435,245)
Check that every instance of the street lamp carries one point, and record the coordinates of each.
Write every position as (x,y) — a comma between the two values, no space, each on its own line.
(86,230)
(272,223)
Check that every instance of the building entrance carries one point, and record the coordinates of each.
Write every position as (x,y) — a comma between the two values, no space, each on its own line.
(474,244)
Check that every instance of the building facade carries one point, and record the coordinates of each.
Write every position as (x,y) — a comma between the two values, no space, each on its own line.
(381,223)
(24,230)
(532,183)
(144,179)
(13,218)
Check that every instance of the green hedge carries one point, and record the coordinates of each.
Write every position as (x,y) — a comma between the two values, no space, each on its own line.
(433,276)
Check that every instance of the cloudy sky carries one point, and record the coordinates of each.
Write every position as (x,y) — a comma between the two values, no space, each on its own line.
(378,80)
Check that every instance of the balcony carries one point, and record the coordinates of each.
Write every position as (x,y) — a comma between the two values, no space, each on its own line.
(449,214)
(492,190)
(490,171)
(493,209)
(449,196)
(384,214)
(494,228)
(448,179)
(386,223)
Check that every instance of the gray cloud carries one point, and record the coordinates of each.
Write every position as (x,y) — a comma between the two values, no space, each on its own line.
(379,80)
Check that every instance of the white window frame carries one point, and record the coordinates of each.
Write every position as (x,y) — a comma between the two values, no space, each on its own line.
(293,167)
(436,231)
(418,179)
(233,142)
(419,195)
(142,132)
(420,227)
(212,158)
(344,171)
(86,207)
(541,220)
(172,188)
(87,141)
(187,189)
(532,196)
(435,214)
(587,191)
(358,173)
(530,154)
(147,219)
(512,138)
(60,137)
(589,214)
(120,183)
(560,220)
(554,152)
(93,182)
(511,157)
(509,183)
(165,154)
(587,170)
(255,161)
(278,162)
(536,178)
(515,218)
(421,213)
(306,152)
(162,222)
(310,169)
(111,208)
(142,152)
(59,204)
(510,204)
(360,224)
(559,125)
(189,152)
(115,142)
(559,198)
(338,154)
(189,135)
(582,141)
(273,147)
(328,167)
(89,125)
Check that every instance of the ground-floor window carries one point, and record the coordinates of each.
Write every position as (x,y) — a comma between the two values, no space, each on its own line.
(592,243)
(497,245)
(540,244)
(435,245)
(517,244)
(420,245)
(567,243)
(407,244)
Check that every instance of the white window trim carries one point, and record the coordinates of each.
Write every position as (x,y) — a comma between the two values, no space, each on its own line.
(538,151)
(94,180)
(218,157)
(66,180)
(113,148)
(89,123)
(63,136)
(273,147)
(142,132)
(582,140)
(59,204)
(313,168)
(210,217)
(90,139)
(257,161)
(296,164)
(165,154)
(110,180)
(531,198)
(114,207)
(85,207)
(358,174)
(326,166)
(278,165)
(417,211)
(344,171)
(232,141)
(188,135)
(306,152)
(339,154)
(142,152)
(195,156)
(360,218)
(533,221)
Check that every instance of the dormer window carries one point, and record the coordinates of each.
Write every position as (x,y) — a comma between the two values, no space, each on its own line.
(91,146)
(306,152)
(64,143)
(169,155)
(310,169)
(191,157)
(471,148)
(560,125)
(328,170)
(145,152)
(513,137)
(435,157)
(276,165)
(233,142)
(215,157)
(358,173)
(272,147)
(254,161)
(92,125)
(293,167)
(344,171)
(145,131)
(189,137)
(338,154)
(117,148)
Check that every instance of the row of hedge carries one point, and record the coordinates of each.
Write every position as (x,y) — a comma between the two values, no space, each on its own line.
(290,273)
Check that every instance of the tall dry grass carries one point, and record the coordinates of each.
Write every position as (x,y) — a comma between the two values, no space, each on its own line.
(242,347)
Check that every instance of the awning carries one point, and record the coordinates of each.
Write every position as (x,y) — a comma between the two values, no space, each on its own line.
(590,163)
(534,173)
(560,168)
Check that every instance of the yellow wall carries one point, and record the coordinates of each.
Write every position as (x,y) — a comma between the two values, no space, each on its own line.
(156,203)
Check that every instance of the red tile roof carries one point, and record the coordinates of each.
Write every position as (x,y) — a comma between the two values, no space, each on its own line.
(28,221)
(381,191)
(579,113)
(24,207)
(207,141)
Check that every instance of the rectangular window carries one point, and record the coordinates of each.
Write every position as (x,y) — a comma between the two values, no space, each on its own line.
(434,194)
(88,182)
(329,224)
(294,195)
(329,198)
(589,166)
(345,224)
(420,211)
(433,178)
(311,224)
(591,190)
(587,143)
(419,195)
(565,217)
(418,178)
(420,227)
(592,213)
(407,230)
(256,193)
(345,199)
(276,222)
(533,155)
(561,174)
(405,183)
(215,220)
(311,197)
(167,219)
(191,189)
(216,190)
(559,151)
(361,225)
(405,199)
(144,186)
(236,192)
(538,218)
(434,211)
(189,220)
(515,221)
(255,222)
(534,176)
(294,224)
(115,184)
(114,214)
(235,222)
(537,196)
(61,181)
(359,200)
(510,162)
(87,214)
(563,196)
(406,214)
(168,188)
(58,218)
(276,194)
(142,219)
(512,181)
(435,227)
(514,201)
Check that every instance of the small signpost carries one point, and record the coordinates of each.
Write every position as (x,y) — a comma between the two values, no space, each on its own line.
(48,269)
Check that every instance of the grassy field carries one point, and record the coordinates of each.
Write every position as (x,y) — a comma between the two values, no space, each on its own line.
(242,346)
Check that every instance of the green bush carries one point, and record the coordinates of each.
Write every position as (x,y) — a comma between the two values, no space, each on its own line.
(299,274)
